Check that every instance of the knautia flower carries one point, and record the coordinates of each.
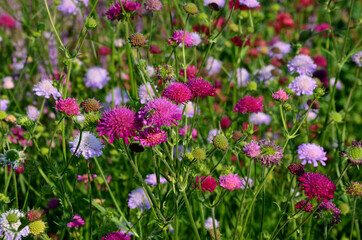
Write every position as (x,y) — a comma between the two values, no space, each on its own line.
(260,118)
(249,3)
(209,224)
(96,77)
(328,210)
(354,189)
(153,5)
(68,106)
(317,185)
(208,184)
(279,49)
(115,12)
(32,113)
(200,87)
(160,112)
(120,122)
(143,93)
(242,77)
(311,153)
(230,182)
(303,85)
(308,207)
(249,104)
(10,224)
(116,236)
(138,199)
(243,183)
(252,149)
(37,227)
(76,222)
(4,103)
(13,157)
(220,3)
(8,83)
(302,64)
(89,146)
(151,136)
(213,66)
(269,153)
(296,169)
(45,88)
(178,38)
(339,84)
(265,74)
(177,92)
(280,95)
(152,179)
(118,96)
(357,58)
(137,40)
(196,38)
(190,109)
(354,153)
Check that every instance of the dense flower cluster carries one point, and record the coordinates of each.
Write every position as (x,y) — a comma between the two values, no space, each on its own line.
(317,186)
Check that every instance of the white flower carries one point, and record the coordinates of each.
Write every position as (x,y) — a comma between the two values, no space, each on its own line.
(45,88)
(89,146)
(260,118)
(96,77)
(10,223)
(150,71)
(12,157)
(209,225)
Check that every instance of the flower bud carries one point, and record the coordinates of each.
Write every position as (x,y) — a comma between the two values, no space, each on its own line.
(191,8)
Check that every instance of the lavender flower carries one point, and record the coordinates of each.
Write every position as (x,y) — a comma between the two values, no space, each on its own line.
(252,149)
(10,223)
(45,88)
(89,146)
(196,39)
(265,74)
(213,65)
(143,93)
(303,85)
(242,77)
(249,3)
(357,58)
(312,153)
(32,113)
(117,95)
(152,179)
(96,77)
(209,225)
(260,118)
(302,64)
(4,104)
(279,49)
(138,199)
(220,3)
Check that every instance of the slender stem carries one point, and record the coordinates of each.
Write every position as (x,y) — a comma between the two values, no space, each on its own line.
(7,181)
(346,35)
(343,172)
(51,22)
(27,194)
(353,217)
(263,205)
(16,190)
(190,215)
(90,200)
(213,223)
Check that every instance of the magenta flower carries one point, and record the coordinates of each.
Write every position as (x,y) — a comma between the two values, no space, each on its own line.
(182,132)
(201,88)
(308,207)
(76,222)
(249,104)
(177,92)
(116,236)
(231,181)
(269,153)
(208,184)
(280,95)
(252,149)
(68,106)
(317,185)
(178,38)
(160,112)
(120,122)
(115,11)
(151,136)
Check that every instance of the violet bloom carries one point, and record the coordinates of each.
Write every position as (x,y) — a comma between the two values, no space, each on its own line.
(143,93)
(212,134)
(151,136)
(4,104)
(209,224)
(213,66)
(312,153)
(178,37)
(260,118)
(265,74)
(96,77)
(279,49)
(269,153)
(118,97)
(45,88)
(230,182)
(152,179)
(138,199)
(328,207)
(357,58)
(303,85)
(243,183)
(302,64)
(252,149)
(250,3)
(220,3)
(196,38)
(68,6)
(242,77)
(76,222)
(89,147)
(32,113)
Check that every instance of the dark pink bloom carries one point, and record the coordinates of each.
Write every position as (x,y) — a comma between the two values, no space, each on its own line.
(322,27)
(280,95)
(115,11)
(177,92)
(307,207)
(116,236)
(190,72)
(155,49)
(225,122)
(181,131)
(208,184)
(76,222)
(249,104)
(231,181)
(7,21)
(53,203)
(151,136)
(68,106)
(17,136)
(317,185)
(200,88)
(320,61)
(178,38)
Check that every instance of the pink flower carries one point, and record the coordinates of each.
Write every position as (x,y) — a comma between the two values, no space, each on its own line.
(76,222)
(252,149)
(84,177)
(249,104)
(320,61)
(208,184)
(68,106)
(177,92)
(7,21)
(181,131)
(317,185)
(178,37)
(280,95)
(115,11)
(231,181)
(190,72)
(200,88)
(151,136)
(225,122)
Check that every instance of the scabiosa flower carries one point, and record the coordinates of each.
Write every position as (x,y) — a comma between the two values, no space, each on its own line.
(177,92)
(269,153)
(96,77)
(209,224)
(152,179)
(280,95)
(231,181)
(317,185)
(303,85)
(252,149)
(220,3)
(302,64)
(153,5)
(45,88)
(151,136)
(118,96)
(91,105)
(354,153)
(265,74)
(296,169)
(120,122)
(250,3)
(89,146)
(7,21)
(213,66)
(160,112)
(200,88)
(116,236)
(182,132)
(13,157)
(178,38)
(76,222)
(260,118)
(308,207)
(221,142)
(225,122)
(279,49)
(328,209)
(355,189)
(137,40)
(208,184)
(68,106)
(357,58)
(150,70)
(10,223)
(4,104)
(311,153)
(196,39)
(34,215)
(32,113)
(143,93)
(242,77)
(339,84)
(115,12)
(138,199)
(249,104)
(8,83)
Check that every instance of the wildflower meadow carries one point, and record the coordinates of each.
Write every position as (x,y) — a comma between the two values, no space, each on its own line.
(180,120)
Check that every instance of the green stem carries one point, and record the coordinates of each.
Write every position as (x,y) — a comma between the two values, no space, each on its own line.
(343,172)
(16,190)
(51,22)
(190,215)
(90,200)
(7,181)
(353,217)
(213,223)
(263,205)
(27,194)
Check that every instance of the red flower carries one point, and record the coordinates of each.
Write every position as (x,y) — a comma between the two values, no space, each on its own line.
(155,49)
(239,41)
(208,184)
(7,21)
(317,185)
(249,104)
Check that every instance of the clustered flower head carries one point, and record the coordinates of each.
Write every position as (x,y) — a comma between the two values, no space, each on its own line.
(152,179)
(311,153)
(221,142)
(13,157)
(200,87)
(302,64)
(153,5)
(269,153)
(260,118)
(209,224)
(249,104)
(96,77)
(120,122)
(231,181)
(281,96)
(354,189)
(138,199)
(303,85)
(115,12)
(296,169)
(89,145)
(116,236)
(143,94)
(68,106)
(354,153)
(177,92)
(207,184)
(308,206)
(317,185)
(137,40)
(91,105)
(329,210)
(179,36)
(36,227)
(76,222)
(252,149)
(45,88)
(10,225)
(151,136)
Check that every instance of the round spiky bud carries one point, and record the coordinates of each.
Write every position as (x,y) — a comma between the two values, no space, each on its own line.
(91,119)
(287,107)
(199,154)
(136,147)
(137,40)
(4,198)
(337,117)
(37,227)
(12,157)
(237,135)
(33,215)
(319,92)
(91,105)
(252,86)
(191,8)
(355,189)
(221,142)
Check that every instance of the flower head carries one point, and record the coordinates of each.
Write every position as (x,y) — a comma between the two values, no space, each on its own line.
(182,132)
(308,206)
(220,142)
(91,105)
(96,77)
(10,224)
(160,112)
(213,65)
(357,58)
(76,222)
(279,49)
(68,106)
(13,157)
(200,88)
(302,64)
(303,85)
(260,118)
(152,179)
(89,146)
(311,153)
(250,3)
(317,185)
(115,12)
(37,227)
(220,3)
(138,199)
(7,21)
(248,104)
(208,184)
(32,113)
(34,215)
(269,153)
(4,104)
(177,92)
(231,181)
(45,88)
(242,76)
(68,6)
(354,189)
(143,93)
(116,236)
(120,122)
(153,5)
(252,149)
(151,136)
(137,40)
(280,95)
(296,169)
(209,225)
(354,153)
(329,210)
(178,38)
(244,181)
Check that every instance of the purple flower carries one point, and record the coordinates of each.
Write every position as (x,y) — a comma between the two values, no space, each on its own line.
(138,199)
(249,3)
(196,39)
(45,88)
(269,153)
(243,183)
(4,104)
(68,6)
(357,58)
(242,76)
(153,5)
(209,224)
(115,11)
(32,113)
(260,118)
(213,66)
(152,179)
(89,146)
(151,136)
(328,207)
(143,93)
(96,77)
(220,3)
(302,64)
(231,181)
(303,85)
(252,149)
(279,49)
(265,74)
(311,153)
(76,222)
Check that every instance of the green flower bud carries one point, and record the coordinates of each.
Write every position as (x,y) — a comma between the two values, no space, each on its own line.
(287,107)
(337,117)
(199,154)
(91,23)
(37,227)
(319,92)
(191,8)
(252,86)
(221,142)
